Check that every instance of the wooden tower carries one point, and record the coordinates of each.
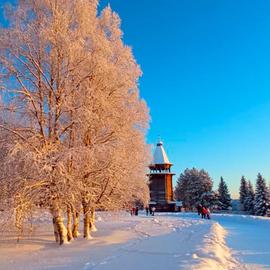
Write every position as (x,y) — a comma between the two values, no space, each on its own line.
(160,181)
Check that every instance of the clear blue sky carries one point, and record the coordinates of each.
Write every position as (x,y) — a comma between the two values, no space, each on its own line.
(206,79)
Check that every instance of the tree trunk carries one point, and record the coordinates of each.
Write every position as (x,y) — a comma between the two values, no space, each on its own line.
(75,229)
(93,226)
(19,223)
(56,235)
(61,230)
(59,225)
(69,222)
(87,226)
(86,221)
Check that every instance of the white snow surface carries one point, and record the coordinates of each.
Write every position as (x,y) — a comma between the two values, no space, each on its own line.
(165,241)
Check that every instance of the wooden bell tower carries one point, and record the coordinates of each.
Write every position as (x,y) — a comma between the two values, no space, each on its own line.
(160,181)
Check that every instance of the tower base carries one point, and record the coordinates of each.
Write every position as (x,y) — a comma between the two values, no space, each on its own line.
(168,207)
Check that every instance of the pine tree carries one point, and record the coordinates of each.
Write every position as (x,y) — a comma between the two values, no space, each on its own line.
(224,195)
(243,192)
(191,185)
(249,200)
(210,198)
(261,202)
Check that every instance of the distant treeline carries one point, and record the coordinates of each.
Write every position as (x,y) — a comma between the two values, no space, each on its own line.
(196,187)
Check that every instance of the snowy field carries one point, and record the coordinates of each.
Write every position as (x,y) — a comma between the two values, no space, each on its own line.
(166,241)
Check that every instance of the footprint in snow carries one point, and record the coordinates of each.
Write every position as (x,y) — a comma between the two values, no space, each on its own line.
(195,256)
(89,266)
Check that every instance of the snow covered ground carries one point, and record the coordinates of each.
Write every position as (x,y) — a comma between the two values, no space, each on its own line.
(249,238)
(166,241)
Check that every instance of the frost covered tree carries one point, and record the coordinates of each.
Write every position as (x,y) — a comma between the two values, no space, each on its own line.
(249,200)
(243,191)
(66,80)
(261,201)
(224,195)
(191,185)
(210,199)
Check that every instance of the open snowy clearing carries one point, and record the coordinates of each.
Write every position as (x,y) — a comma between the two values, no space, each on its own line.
(166,241)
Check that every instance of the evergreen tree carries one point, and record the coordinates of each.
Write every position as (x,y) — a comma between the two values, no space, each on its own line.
(249,200)
(210,198)
(261,202)
(268,212)
(191,185)
(224,195)
(243,192)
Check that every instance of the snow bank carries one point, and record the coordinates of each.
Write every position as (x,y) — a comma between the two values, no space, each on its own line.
(214,253)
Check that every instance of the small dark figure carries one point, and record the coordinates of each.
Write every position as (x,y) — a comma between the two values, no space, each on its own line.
(199,209)
(147,210)
(153,210)
(208,213)
(136,211)
(133,211)
(150,211)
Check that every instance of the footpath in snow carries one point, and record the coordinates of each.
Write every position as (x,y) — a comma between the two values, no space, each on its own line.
(248,238)
(166,241)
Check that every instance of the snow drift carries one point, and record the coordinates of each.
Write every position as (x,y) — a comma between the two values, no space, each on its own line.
(214,253)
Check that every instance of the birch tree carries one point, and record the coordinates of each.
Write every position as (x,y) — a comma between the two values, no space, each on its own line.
(72,109)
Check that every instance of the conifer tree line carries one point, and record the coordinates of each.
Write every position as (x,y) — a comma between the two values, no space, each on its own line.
(196,187)
(72,123)
(258,202)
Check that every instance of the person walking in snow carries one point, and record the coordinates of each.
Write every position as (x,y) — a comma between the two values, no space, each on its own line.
(147,210)
(153,210)
(204,212)
(208,213)
(199,209)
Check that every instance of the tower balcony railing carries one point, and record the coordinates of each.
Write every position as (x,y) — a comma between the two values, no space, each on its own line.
(160,172)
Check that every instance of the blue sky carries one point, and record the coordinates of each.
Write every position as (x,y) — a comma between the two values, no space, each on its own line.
(206,79)
(206,67)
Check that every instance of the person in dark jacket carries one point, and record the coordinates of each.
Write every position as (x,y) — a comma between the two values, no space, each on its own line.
(199,209)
